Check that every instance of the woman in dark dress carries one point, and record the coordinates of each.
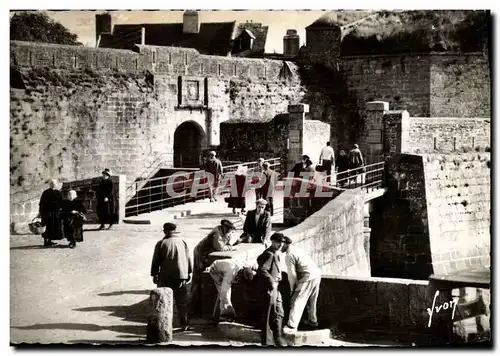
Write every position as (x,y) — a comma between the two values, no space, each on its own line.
(50,213)
(105,201)
(342,167)
(73,217)
(238,201)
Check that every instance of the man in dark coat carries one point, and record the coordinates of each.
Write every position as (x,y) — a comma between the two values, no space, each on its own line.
(73,218)
(269,186)
(214,167)
(259,192)
(342,167)
(219,239)
(171,267)
(257,226)
(105,201)
(266,281)
(50,212)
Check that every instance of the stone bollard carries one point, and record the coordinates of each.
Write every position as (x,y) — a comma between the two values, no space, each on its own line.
(160,315)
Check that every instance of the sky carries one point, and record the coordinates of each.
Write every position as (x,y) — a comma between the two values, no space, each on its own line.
(82,23)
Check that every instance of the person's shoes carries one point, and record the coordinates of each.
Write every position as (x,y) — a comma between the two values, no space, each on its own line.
(72,244)
(211,200)
(215,199)
(101,227)
(110,226)
(289,330)
(48,243)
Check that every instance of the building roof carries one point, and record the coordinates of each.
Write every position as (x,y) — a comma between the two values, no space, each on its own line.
(260,36)
(214,38)
(339,18)
(250,33)
(255,119)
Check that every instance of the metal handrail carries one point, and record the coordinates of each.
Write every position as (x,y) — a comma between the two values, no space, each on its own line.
(182,182)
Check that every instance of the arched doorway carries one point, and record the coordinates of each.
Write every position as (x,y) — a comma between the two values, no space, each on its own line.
(189,139)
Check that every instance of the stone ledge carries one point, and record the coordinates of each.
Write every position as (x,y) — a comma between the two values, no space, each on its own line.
(241,332)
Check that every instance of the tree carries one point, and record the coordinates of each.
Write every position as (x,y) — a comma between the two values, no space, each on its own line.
(39,27)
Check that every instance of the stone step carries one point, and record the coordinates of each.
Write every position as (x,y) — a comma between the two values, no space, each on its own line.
(241,332)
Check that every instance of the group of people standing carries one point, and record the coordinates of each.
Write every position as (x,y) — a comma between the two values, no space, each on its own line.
(346,165)
(279,287)
(63,214)
(237,196)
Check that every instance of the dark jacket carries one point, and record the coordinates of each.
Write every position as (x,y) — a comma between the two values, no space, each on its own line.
(105,190)
(268,273)
(269,186)
(70,205)
(342,163)
(50,202)
(299,167)
(214,167)
(355,158)
(258,231)
(171,259)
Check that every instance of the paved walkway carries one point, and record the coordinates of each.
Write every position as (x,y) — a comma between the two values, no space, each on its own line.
(98,292)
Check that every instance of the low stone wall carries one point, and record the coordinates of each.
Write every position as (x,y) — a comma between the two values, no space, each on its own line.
(333,236)
(24,208)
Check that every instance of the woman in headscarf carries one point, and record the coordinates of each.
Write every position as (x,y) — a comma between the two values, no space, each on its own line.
(105,201)
(342,167)
(50,213)
(73,217)
(238,201)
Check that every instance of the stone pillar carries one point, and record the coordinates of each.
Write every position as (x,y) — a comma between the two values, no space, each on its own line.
(296,114)
(396,132)
(372,143)
(160,316)
(122,196)
(367,209)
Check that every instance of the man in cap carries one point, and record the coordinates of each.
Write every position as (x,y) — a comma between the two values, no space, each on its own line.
(266,282)
(219,239)
(269,186)
(105,201)
(327,160)
(224,273)
(304,277)
(171,267)
(259,192)
(257,226)
(213,166)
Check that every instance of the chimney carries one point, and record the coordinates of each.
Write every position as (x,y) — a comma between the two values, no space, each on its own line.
(291,44)
(102,25)
(190,22)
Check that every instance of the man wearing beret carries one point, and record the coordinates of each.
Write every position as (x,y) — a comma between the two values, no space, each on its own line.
(304,277)
(266,280)
(219,239)
(257,226)
(171,267)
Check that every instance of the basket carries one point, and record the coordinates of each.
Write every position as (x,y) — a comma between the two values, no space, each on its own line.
(36,226)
